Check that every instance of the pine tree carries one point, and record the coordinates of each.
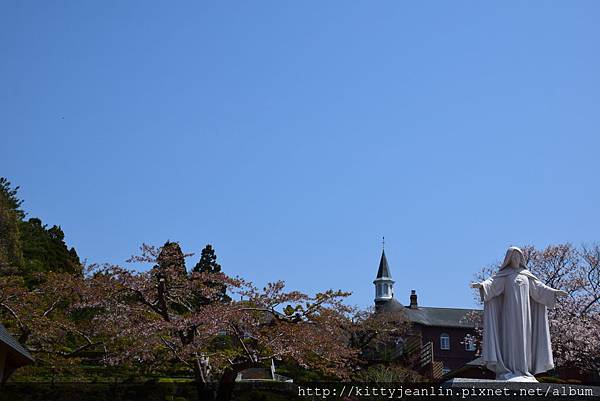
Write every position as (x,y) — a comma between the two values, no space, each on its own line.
(9,199)
(208,264)
(28,246)
(44,249)
(11,253)
(171,257)
(208,261)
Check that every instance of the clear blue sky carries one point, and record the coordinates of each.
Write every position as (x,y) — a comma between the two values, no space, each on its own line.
(293,135)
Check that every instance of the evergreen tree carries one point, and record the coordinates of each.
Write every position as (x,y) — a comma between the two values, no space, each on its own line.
(208,261)
(168,273)
(27,247)
(208,264)
(9,199)
(11,254)
(171,257)
(44,249)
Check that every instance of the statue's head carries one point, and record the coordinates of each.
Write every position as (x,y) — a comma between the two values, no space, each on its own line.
(514,258)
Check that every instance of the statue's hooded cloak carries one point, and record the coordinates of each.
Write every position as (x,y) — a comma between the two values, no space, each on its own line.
(516,337)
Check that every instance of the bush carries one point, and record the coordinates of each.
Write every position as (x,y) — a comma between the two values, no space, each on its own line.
(550,379)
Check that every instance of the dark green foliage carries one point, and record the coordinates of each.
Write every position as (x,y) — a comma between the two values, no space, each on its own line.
(150,390)
(170,260)
(290,368)
(171,257)
(44,249)
(9,199)
(208,264)
(28,246)
(11,254)
(208,261)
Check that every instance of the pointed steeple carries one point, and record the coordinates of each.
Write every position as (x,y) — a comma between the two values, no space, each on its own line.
(384,269)
(384,285)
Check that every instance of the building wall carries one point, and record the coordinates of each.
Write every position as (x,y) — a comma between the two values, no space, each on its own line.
(2,361)
(456,356)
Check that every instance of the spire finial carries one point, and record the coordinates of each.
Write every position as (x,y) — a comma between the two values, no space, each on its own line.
(383,243)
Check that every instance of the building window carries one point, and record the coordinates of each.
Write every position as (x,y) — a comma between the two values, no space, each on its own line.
(470,343)
(444,341)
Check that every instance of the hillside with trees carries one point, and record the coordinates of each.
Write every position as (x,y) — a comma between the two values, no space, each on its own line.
(165,321)
(103,322)
(27,246)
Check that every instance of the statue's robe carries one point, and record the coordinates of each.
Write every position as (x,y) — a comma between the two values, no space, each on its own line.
(516,338)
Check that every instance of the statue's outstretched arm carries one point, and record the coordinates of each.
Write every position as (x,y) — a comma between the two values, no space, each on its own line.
(490,288)
(545,294)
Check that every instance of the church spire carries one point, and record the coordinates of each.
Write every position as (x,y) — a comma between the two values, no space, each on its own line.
(384,285)
(384,269)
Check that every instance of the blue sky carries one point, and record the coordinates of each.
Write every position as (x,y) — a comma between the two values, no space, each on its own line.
(294,135)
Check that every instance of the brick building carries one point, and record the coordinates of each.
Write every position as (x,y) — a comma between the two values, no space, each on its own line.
(439,333)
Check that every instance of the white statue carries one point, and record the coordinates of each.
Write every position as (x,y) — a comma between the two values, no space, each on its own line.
(516,338)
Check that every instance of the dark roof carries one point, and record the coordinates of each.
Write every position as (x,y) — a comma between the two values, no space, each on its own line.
(427,316)
(384,270)
(22,354)
(476,362)
(256,374)
(391,305)
(442,317)
(472,369)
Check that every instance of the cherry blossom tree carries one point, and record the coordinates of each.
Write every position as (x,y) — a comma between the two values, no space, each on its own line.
(166,316)
(575,321)
(46,320)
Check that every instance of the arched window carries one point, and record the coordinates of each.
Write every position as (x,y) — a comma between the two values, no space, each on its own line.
(444,341)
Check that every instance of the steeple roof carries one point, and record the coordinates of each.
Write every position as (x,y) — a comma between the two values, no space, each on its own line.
(384,270)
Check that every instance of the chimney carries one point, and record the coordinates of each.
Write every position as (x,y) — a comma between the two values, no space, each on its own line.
(413,300)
